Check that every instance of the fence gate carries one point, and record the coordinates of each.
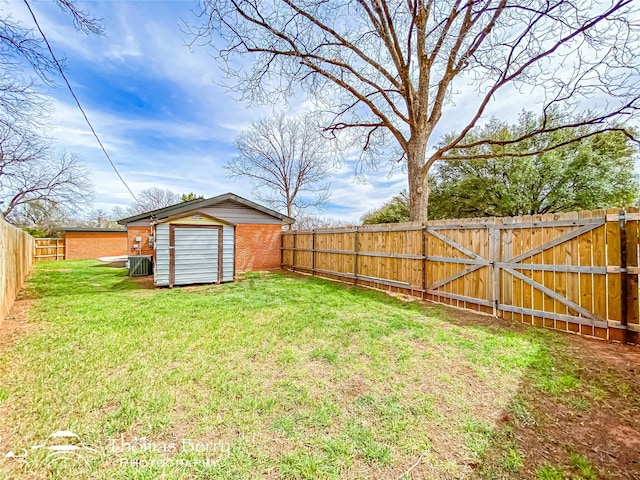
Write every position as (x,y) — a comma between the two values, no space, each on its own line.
(49,249)
(553,273)
(459,266)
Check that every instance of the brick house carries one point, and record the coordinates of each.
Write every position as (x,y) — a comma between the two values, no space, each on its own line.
(207,241)
(81,243)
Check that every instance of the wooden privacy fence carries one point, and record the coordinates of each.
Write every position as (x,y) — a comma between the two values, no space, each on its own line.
(16,260)
(574,272)
(47,249)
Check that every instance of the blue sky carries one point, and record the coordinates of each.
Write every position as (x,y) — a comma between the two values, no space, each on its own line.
(158,111)
(154,103)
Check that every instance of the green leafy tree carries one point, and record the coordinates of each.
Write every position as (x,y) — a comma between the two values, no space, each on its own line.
(188,197)
(395,210)
(36,232)
(598,172)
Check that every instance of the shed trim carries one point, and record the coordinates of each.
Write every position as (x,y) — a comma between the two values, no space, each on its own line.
(195,212)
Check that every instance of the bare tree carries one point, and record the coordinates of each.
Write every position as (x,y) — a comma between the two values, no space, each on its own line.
(309,222)
(20,100)
(41,219)
(21,41)
(394,68)
(22,104)
(101,218)
(36,184)
(287,160)
(59,180)
(118,212)
(152,199)
(36,180)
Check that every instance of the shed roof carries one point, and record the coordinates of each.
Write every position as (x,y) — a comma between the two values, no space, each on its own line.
(185,207)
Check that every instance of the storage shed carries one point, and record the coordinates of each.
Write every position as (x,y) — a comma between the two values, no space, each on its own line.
(207,241)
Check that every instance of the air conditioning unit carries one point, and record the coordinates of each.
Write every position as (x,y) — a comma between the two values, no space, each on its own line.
(140,265)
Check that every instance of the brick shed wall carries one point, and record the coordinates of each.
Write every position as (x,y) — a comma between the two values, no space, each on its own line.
(257,247)
(80,245)
(142,232)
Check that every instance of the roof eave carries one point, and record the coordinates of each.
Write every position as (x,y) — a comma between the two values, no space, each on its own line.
(196,204)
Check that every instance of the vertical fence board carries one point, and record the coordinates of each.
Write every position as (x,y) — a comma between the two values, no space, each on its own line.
(585,258)
(548,278)
(506,284)
(632,230)
(614,285)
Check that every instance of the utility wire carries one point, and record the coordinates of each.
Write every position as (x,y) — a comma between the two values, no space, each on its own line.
(60,69)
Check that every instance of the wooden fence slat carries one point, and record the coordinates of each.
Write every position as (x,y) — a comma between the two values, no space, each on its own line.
(558,241)
(537,240)
(455,276)
(614,284)
(548,278)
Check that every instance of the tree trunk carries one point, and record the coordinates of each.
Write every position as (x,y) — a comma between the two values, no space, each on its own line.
(290,226)
(418,185)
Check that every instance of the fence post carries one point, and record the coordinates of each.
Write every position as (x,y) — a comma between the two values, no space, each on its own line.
(281,249)
(424,261)
(293,253)
(313,251)
(355,255)
(624,310)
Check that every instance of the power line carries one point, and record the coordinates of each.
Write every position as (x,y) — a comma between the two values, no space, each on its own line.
(55,60)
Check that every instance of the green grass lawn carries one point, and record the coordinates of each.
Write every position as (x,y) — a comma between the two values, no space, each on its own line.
(279,376)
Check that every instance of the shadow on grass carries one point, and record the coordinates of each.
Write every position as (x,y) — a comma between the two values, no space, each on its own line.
(575,414)
(78,277)
(576,411)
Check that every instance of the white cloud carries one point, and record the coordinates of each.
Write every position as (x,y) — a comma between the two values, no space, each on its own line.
(184,148)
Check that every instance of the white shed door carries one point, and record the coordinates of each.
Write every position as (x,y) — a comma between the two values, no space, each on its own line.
(196,255)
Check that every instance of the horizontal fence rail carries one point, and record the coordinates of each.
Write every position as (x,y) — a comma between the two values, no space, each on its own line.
(575,272)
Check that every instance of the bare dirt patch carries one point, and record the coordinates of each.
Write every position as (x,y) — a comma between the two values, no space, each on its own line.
(17,324)
(145,283)
(604,427)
